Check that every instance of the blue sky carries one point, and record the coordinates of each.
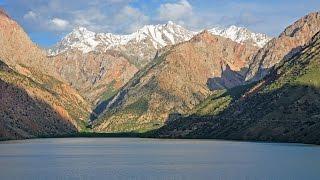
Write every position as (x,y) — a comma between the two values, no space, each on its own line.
(47,21)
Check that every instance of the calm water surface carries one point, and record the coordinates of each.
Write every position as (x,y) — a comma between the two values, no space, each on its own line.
(134,158)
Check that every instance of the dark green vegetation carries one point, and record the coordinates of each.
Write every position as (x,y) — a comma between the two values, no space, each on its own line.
(284,106)
(219,101)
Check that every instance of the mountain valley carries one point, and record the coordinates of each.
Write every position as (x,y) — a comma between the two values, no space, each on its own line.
(163,81)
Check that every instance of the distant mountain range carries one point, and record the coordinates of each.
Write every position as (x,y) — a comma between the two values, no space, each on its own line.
(141,46)
(158,36)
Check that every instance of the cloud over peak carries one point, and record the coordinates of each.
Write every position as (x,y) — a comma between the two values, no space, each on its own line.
(59,24)
(175,11)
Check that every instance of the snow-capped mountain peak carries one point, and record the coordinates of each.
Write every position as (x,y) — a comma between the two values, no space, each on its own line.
(86,41)
(80,38)
(156,36)
(241,35)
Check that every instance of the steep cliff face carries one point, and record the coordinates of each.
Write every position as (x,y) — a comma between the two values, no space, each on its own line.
(174,82)
(96,75)
(289,41)
(30,75)
(284,106)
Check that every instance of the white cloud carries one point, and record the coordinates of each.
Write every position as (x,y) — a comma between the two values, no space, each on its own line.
(59,24)
(92,18)
(30,15)
(123,16)
(175,11)
(130,17)
(182,13)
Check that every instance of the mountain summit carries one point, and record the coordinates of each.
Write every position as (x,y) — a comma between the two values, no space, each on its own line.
(241,35)
(155,36)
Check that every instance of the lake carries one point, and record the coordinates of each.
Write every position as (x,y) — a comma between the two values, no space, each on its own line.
(135,158)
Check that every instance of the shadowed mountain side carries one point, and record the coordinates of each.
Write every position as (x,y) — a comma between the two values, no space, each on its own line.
(290,118)
(284,106)
(262,71)
(32,109)
(228,79)
(99,108)
(23,116)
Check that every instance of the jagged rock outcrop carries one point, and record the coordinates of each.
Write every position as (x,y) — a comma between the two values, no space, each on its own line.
(287,44)
(174,82)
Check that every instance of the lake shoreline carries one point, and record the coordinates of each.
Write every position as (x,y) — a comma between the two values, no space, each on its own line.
(143,136)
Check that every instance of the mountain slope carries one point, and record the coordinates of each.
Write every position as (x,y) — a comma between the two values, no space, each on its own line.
(96,75)
(289,41)
(28,109)
(30,75)
(284,106)
(18,51)
(174,82)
